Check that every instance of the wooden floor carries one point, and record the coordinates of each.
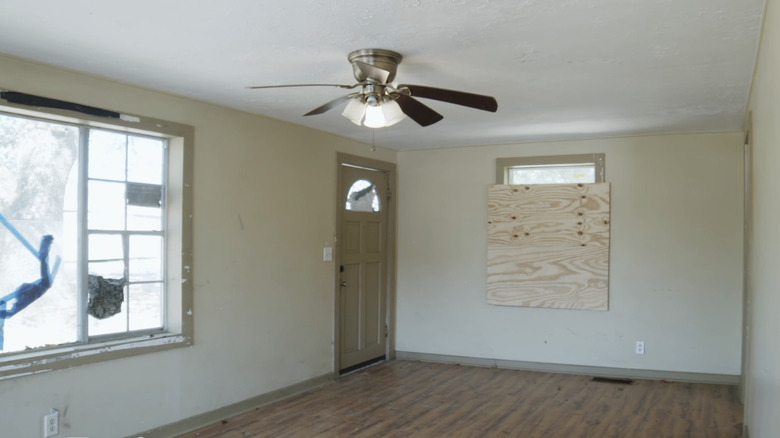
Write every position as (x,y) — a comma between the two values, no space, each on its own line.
(416,399)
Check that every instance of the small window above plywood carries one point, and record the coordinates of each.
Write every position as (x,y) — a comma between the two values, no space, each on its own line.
(553,169)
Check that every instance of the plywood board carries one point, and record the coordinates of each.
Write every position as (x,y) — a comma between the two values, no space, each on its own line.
(548,246)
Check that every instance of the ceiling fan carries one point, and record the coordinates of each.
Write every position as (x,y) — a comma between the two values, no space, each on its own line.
(380,102)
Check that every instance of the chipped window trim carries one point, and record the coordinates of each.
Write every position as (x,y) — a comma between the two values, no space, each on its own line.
(179,261)
(43,360)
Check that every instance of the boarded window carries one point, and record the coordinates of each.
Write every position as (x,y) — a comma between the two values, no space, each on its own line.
(548,246)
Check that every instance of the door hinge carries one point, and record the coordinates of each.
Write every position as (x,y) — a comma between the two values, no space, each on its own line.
(387,331)
(389,193)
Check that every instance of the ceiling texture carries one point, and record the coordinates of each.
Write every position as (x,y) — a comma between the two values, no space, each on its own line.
(560,69)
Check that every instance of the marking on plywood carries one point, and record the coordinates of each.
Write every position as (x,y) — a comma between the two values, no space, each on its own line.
(548,246)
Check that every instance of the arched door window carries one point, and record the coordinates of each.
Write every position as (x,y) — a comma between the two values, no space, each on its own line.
(362,196)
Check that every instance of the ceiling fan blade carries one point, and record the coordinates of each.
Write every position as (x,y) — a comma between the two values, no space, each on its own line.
(478,101)
(417,111)
(330,105)
(348,87)
(373,72)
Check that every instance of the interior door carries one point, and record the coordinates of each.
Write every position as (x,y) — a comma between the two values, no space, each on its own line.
(363,269)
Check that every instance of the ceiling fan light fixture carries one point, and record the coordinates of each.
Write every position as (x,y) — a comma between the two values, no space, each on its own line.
(375,117)
(393,113)
(363,113)
(354,111)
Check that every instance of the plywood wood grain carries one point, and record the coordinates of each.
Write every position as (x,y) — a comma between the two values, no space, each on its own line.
(548,246)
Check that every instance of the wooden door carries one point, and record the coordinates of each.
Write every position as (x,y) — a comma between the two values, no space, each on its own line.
(363,266)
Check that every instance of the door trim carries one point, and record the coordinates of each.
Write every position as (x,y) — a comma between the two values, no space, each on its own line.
(747,246)
(390,317)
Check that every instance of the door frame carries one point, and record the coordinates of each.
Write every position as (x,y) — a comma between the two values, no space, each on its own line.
(747,246)
(390,317)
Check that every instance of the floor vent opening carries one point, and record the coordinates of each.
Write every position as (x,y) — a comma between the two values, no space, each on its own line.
(613,380)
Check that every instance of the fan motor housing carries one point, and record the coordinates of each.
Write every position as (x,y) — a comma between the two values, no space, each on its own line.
(381,58)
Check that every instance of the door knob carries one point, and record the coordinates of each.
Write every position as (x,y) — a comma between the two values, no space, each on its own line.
(343,284)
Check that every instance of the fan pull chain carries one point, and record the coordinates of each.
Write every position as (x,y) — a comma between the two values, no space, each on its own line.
(373,140)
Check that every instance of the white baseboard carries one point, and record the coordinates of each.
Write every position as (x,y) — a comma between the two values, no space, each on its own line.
(202,420)
(672,376)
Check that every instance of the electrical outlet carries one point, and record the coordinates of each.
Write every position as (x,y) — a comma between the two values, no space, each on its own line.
(640,347)
(51,424)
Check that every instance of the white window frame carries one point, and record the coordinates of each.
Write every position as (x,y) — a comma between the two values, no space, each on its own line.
(178,314)
(503,165)
(85,232)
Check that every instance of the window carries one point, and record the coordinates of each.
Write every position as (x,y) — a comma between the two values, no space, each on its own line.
(362,196)
(92,232)
(124,231)
(559,169)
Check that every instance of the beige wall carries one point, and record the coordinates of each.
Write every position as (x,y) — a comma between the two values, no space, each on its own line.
(675,270)
(763,358)
(263,296)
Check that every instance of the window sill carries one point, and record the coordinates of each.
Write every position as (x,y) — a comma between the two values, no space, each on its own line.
(56,358)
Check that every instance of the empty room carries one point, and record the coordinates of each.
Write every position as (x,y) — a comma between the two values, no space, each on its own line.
(390,218)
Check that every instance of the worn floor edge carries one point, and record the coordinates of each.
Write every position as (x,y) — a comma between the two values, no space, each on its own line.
(202,420)
(672,376)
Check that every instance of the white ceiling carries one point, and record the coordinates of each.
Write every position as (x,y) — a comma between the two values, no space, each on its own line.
(558,68)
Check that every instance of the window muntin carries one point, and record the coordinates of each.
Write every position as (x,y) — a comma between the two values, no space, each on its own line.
(553,169)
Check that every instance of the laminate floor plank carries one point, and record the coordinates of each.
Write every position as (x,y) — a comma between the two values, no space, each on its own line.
(417,399)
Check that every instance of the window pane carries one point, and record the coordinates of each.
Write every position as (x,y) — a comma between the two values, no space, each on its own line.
(116,323)
(107,155)
(144,218)
(106,256)
(146,258)
(106,206)
(36,159)
(362,196)
(105,247)
(146,306)
(552,174)
(107,269)
(145,160)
